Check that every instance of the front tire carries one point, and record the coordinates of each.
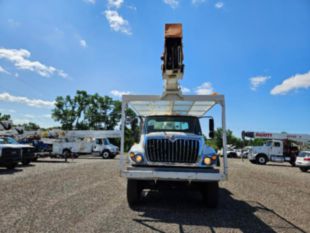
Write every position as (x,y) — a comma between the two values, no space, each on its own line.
(106,154)
(261,159)
(210,193)
(303,169)
(26,162)
(133,193)
(11,166)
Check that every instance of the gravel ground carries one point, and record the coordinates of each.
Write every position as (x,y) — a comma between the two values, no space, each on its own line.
(87,195)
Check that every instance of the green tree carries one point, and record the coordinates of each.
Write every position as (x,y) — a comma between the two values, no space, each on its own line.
(30,126)
(5,117)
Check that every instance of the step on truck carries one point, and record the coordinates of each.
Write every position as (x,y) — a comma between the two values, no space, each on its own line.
(279,147)
(171,149)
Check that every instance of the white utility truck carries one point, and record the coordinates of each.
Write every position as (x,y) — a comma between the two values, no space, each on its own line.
(78,142)
(281,147)
(171,149)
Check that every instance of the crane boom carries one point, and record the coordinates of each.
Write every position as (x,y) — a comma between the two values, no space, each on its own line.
(172,66)
(303,138)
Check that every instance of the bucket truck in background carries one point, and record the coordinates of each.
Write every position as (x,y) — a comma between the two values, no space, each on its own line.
(279,147)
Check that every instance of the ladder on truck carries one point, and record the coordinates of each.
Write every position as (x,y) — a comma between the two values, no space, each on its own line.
(300,138)
(92,134)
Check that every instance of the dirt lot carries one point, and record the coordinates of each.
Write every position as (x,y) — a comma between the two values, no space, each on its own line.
(87,195)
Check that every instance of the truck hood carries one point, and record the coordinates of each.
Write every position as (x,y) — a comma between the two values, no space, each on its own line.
(258,149)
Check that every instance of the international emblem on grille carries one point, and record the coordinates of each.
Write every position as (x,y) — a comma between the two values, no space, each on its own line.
(171,138)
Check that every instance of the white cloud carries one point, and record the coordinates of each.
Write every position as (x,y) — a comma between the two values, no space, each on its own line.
(119,93)
(219,5)
(172,3)
(197,2)
(117,22)
(258,81)
(19,57)
(83,43)
(115,3)
(204,89)
(90,1)
(185,90)
(292,83)
(7,97)
(2,70)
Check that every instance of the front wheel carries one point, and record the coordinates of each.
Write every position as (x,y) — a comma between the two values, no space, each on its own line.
(303,169)
(210,193)
(133,193)
(261,159)
(11,166)
(26,162)
(106,154)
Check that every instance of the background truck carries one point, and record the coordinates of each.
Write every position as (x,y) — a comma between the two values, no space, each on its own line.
(281,147)
(7,137)
(86,142)
(9,154)
(171,149)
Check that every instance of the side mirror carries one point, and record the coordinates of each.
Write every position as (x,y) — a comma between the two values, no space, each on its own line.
(211,128)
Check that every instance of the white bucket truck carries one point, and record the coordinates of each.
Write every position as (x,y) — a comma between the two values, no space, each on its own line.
(78,142)
(171,149)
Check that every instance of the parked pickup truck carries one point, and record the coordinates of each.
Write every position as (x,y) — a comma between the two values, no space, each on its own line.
(20,152)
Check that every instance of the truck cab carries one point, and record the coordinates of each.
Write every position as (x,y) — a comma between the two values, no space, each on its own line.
(105,148)
(273,150)
(172,141)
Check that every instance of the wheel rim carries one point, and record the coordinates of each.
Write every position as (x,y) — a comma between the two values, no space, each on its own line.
(261,160)
(105,155)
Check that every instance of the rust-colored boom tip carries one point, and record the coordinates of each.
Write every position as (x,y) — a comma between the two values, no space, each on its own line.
(173,30)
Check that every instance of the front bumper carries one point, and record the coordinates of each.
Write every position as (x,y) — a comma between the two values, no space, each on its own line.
(302,164)
(173,174)
(10,156)
(28,154)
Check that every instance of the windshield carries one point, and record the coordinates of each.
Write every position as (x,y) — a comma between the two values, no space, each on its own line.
(8,140)
(172,123)
(304,154)
(106,141)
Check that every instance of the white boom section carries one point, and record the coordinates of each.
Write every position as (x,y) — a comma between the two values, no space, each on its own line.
(303,138)
(93,134)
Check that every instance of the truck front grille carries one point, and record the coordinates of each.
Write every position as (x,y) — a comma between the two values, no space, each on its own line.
(178,151)
(11,153)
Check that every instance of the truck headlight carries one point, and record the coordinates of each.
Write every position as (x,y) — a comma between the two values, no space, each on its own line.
(138,158)
(207,161)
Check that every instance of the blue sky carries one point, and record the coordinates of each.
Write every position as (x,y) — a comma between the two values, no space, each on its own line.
(256,53)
